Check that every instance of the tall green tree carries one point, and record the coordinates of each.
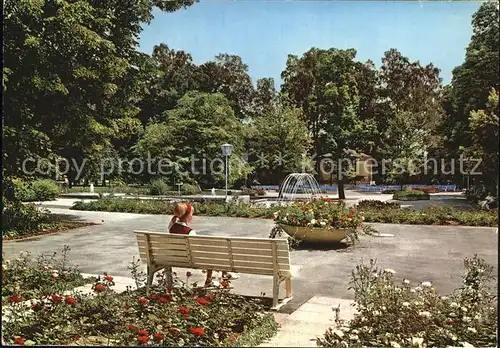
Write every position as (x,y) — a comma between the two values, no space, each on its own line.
(323,83)
(190,136)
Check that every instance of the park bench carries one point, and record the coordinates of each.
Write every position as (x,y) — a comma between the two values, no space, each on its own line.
(261,256)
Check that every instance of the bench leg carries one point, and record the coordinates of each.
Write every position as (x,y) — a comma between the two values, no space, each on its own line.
(170,280)
(288,287)
(276,291)
(149,281)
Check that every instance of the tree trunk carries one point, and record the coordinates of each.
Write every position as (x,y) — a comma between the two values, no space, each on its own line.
(340,183)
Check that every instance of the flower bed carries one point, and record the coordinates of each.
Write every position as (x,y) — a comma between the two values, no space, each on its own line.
(186,315)
(324,214)
(411,195)
(393,314)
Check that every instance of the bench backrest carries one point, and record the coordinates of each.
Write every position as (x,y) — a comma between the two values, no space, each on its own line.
(245,255)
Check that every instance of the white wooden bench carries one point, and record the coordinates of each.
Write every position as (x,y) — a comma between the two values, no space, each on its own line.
(261,256)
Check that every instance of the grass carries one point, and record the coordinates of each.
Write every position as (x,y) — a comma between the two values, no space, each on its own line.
(264,330)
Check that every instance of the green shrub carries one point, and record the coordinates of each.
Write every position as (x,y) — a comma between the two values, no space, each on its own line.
(20,219)
(189,189)
(411,195)
(368,203)
(45,190)
(389,191)
(159,187)
(22,191)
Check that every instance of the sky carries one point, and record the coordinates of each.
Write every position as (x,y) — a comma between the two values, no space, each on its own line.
(264,32)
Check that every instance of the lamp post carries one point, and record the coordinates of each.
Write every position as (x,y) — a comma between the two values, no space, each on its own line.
(227,149)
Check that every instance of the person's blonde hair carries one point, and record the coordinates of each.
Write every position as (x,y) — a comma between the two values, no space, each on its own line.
(182,211)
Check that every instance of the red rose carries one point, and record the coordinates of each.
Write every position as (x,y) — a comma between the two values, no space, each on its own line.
(144,333)
(37,306)
(19,340)
(143,300)
(166,295)
(186,315)
(132,328)
(70,300)
(76,338)
(183,309)
(188,274)
(210,297)
(54,275)
(163,300)
(158,337)
(154,297)
(201,301)
(100,288)
(15,299)
(225,284)
(56,299)
(174,331)
(197,331)
(142,339)
(108,278)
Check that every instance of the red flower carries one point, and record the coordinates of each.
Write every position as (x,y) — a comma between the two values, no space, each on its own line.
(163,300)
(188,274)
(186,315)
(143,300)
(76,338)
(108,278)
(56,299)
(201,301)
(142,339)
(197,331)
(54,275)
(100,288)
(183,309)
(70,300)
(166,295)
(153,297)
(144,333)
(132,328)
(210,297)
(225,284)
(15,299)
(158,337)
(19,340)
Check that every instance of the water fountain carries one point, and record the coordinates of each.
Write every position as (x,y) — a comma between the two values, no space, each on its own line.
(298,186)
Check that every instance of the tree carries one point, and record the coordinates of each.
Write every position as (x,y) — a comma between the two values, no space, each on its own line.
(229,75)
(190,136)
(280,140)
(70,65)
(323,83)
(484,128)
(265,96)
(411,96)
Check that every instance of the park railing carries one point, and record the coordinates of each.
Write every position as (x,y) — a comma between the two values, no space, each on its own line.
(364,188)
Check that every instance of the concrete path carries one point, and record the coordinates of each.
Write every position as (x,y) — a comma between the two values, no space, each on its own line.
(419,253)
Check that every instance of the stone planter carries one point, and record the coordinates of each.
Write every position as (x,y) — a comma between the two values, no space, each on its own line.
(315,234)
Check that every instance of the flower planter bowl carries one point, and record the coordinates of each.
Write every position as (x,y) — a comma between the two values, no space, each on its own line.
(315,234)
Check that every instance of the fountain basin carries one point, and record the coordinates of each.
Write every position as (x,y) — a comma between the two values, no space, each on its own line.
(315,234)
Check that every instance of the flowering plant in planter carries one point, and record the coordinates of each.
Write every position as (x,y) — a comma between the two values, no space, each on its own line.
(323,213)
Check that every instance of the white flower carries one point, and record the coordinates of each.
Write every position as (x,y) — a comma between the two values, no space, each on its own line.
(384,308)
(275,214)
(417,341)
(395,344)
(322,223)
(338,333)
(454,304)
(363,319)
(376,312)
(463,309)
(426,284)
(406,281)
(355,331)
(412,290)
(406,304)
(452,336)
(418,288)
(453,315)
(54,275)
(477,317)
(362,218)
(313,221)
(466,319)
(388,270)
(425,314)
(471,329)
(354,337)
(444,298)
